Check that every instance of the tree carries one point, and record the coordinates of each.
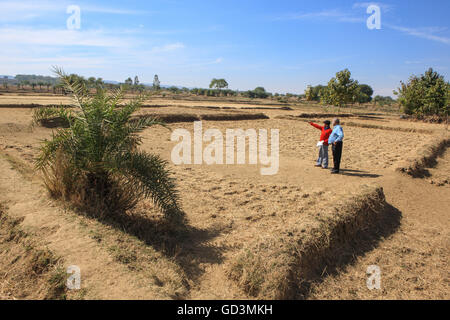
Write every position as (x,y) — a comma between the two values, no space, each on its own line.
(258,92)
(342,89)
(427,94)
(99,84)
(128,84)
(218,84)
(174,89)
(365,93)
(91,82)
(314,93)
(383,100)
(156,83)
(136,81)
(96,163)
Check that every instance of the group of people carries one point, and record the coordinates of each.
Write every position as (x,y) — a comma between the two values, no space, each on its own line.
(333,137)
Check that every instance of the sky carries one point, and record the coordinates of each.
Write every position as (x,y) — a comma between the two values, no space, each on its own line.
(280,45)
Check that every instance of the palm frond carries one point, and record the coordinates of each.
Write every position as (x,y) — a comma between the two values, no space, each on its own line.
(97,158)
(152,179)
(76,87)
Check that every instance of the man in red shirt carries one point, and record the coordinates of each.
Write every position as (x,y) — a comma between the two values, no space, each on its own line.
(322,161)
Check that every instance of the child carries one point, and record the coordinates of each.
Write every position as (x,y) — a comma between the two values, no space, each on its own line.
(322,161)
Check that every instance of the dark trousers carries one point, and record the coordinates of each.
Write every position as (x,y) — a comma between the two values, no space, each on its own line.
(337,153)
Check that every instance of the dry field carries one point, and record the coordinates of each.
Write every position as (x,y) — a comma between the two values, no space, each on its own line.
(248,235)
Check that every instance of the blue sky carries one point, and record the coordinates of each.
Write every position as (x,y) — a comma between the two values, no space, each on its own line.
(281,45)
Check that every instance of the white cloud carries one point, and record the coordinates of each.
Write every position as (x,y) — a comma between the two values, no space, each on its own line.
(60,37)
(383,6)
(202,63)
(424,33)
(17,11)
(326,14)
(109,10)
(429,33)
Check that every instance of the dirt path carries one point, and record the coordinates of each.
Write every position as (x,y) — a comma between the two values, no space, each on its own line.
(414,261)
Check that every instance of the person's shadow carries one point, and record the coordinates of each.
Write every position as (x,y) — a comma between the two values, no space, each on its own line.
(358,173)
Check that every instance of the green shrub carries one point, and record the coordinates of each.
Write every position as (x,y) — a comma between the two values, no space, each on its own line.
(95,163)
(428,94)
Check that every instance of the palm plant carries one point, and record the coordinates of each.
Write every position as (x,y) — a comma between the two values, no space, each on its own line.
(95,162)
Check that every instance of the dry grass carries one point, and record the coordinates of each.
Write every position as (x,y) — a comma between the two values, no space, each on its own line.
(425,158)
(233,116)
(23,168)
(283,267)
(372,126)
(137,251)
(55,122)
(236,217)
(97,198)
(324,115)
(26,270)
(171,117)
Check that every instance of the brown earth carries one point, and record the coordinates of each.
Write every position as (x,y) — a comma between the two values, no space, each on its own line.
(229,206)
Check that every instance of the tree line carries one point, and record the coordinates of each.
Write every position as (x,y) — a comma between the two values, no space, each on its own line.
(424,95)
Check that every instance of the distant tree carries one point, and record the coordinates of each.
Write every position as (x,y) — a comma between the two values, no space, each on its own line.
(365,93)
(91,82)
(383,100)
(129,81)
(342,89)
(428,94)
(174,89)
(136,80)
(156,83)
(99,84)
(314,93)
(258,92)
(218,84)
(128,84)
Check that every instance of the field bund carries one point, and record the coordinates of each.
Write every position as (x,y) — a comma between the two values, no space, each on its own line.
(247,236)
